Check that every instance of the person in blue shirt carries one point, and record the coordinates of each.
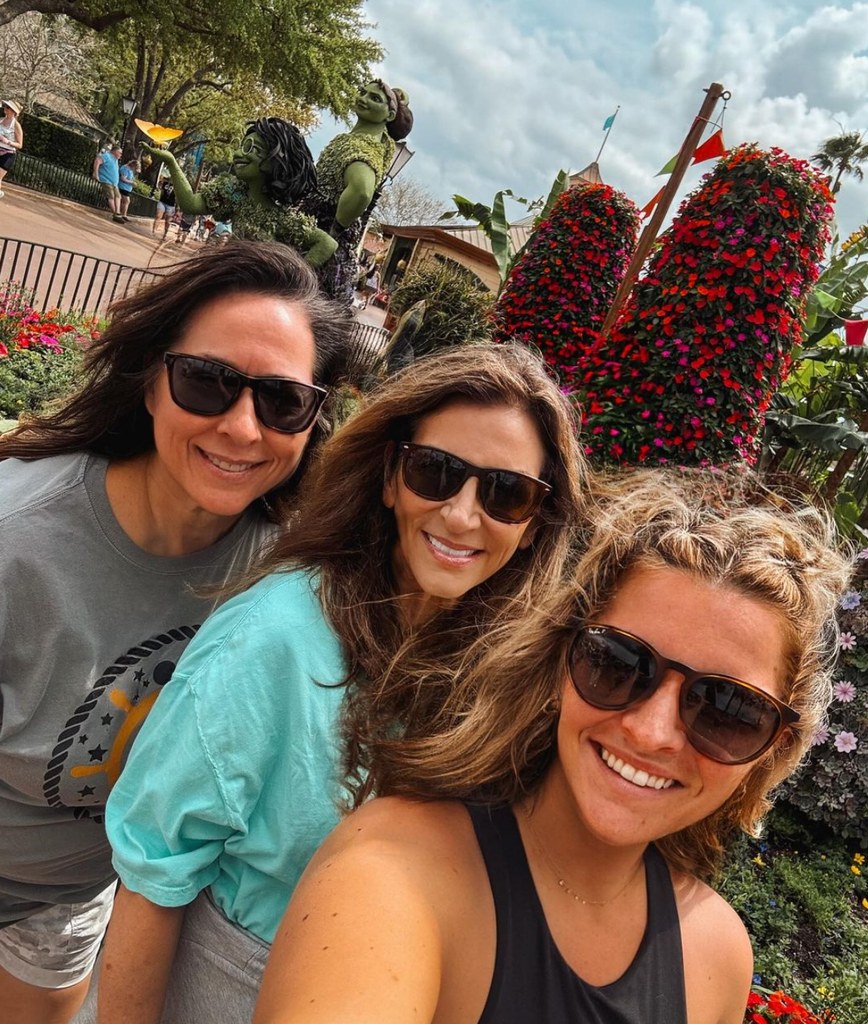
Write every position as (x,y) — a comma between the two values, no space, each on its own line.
(106,170)
(443,507)
(126,176)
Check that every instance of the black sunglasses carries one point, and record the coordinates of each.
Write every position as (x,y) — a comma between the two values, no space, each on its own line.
(207,387)
(727,720)
(436,475)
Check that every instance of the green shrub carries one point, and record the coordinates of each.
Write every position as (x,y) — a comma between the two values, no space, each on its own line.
(457,308)
(804,904)
(58,145)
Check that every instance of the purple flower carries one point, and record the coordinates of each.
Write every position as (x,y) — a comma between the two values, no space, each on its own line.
(845,742)
(844,691)
(852,599)
(820,736)
(847,641)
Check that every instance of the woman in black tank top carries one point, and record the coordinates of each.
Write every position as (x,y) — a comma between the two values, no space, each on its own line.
(539,850)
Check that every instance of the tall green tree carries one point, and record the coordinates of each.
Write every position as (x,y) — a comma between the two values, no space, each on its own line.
(842,154)
(319,52)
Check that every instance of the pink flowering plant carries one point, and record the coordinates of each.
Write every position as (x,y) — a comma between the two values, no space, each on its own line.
(706,339)
(832,788)
(40,353)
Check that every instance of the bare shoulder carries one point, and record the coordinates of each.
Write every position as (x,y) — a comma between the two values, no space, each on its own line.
(718,959)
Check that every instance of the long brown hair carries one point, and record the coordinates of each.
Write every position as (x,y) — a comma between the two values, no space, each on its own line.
(345,534)
(107,416)
(494,738)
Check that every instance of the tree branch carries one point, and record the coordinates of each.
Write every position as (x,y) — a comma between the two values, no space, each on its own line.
(11,9)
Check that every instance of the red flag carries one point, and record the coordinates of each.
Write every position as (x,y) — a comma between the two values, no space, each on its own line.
(649,206)
(855,331)
(711,149)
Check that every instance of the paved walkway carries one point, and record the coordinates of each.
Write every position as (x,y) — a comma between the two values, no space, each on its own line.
(35,217)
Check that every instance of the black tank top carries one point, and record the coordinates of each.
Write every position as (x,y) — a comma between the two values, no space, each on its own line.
(533,984)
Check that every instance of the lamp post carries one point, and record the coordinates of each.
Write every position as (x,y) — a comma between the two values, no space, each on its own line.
(129,105)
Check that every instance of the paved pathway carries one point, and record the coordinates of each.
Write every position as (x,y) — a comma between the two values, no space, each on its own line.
(35,217)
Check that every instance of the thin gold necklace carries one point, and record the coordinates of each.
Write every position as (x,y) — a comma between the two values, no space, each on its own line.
(562,882)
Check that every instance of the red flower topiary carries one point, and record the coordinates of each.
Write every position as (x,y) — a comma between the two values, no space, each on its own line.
(561,288)
(706,338)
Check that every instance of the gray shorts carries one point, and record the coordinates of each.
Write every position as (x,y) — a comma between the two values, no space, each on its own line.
(57,947)
(216,973)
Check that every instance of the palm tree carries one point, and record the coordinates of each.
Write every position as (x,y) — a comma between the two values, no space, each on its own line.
(842,154)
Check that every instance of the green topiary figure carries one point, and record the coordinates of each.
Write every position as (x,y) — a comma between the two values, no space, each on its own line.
(560,290)
(706,338)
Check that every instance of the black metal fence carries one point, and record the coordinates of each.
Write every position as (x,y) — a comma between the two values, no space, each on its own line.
(52,278)
(42,176)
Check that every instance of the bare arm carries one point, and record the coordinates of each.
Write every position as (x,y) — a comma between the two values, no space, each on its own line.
(19,136)
(360,941)
(137,959)
(96,166)
(718,959)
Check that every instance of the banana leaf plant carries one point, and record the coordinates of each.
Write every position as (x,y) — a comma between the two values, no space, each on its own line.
(493,222)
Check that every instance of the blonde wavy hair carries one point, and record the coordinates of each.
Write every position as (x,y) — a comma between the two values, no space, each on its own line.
(494,739)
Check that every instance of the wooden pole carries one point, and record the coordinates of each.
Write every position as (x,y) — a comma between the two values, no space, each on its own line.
(649,235)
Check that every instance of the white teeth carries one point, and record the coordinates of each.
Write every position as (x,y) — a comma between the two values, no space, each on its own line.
(228,467)
(438,545)
(637,776)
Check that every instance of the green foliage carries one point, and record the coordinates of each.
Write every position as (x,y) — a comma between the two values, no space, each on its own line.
(57,145)
(842,155)
(457,308)
(801,901)
(493,222)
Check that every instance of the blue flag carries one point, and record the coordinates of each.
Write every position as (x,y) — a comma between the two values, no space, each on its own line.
(610,120)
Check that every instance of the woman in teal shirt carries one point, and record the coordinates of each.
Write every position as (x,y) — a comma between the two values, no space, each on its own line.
(441,508)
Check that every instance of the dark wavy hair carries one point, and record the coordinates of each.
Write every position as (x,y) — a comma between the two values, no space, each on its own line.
(107,416)
(293,173)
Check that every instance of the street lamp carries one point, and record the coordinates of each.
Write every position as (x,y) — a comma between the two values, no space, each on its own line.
(129,105)
(403,156)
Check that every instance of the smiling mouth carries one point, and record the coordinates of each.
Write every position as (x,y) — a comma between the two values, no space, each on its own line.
(638,776)
(447,550)
(226,465)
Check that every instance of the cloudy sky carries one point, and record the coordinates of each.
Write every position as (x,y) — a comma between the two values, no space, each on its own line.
(506,92)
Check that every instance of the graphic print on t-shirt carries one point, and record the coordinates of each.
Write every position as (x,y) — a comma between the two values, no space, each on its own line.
(92,746)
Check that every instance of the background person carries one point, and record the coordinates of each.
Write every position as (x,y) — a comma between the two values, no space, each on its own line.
(126,176)
(606,746)
(402,552)
(161,475)
(11,137)
(106,170)
(165,207)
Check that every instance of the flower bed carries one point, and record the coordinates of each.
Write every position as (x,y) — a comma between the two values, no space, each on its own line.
(40,353)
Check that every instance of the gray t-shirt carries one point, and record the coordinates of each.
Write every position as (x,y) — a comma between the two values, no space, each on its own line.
(91,627)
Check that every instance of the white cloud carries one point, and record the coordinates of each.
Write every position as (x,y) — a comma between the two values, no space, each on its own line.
(505,92)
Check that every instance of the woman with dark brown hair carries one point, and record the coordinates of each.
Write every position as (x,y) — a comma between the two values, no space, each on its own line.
(538,849)
(159,477)
(443,507)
